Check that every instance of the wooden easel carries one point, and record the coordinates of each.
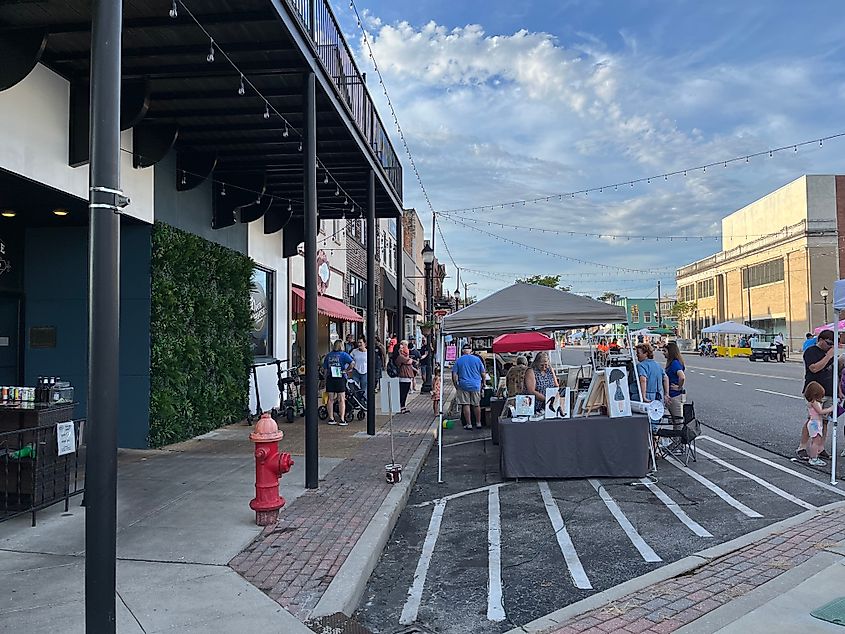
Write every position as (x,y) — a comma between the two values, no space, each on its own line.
(596,394)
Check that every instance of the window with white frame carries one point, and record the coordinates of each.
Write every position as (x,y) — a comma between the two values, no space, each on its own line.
(646,316)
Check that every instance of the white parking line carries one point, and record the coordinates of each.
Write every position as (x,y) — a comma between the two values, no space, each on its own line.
(576,570)
(762,376)
(715,488)
(690,523)
(495,600)
(771,487)
(779,393)
(461,494)
(797,474)
(412,603)
(639,543)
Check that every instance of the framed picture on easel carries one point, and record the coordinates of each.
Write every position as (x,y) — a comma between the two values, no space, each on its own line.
(619,398)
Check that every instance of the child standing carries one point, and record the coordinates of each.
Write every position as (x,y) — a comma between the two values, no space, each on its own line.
(815,415)
(435,390)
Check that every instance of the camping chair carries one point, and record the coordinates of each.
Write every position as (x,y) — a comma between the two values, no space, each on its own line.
(681,431)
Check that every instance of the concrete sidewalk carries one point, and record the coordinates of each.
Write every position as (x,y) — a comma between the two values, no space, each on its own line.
(767,581)
(183,516)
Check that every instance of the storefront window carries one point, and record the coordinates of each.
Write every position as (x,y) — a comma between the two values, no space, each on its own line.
(261,304)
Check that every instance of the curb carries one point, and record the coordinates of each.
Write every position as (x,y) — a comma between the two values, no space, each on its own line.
(348,586)
(674,569)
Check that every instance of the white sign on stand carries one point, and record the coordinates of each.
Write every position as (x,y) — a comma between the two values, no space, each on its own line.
(389,392)
(66,438)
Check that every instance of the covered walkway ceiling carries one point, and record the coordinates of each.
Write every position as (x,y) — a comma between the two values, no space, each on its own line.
(174,98)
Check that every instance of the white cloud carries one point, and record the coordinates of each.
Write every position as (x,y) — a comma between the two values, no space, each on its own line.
(494,118)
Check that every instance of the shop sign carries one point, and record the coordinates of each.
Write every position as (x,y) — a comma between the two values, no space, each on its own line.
(5,265)
(324,272)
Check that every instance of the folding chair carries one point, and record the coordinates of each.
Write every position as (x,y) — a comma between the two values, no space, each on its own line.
(681,431)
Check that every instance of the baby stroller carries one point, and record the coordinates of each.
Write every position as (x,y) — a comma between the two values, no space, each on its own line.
(356,403)
(356,399)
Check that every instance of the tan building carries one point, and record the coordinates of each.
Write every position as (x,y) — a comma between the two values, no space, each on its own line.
(778,253)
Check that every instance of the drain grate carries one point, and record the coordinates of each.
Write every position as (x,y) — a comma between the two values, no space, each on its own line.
(337,623)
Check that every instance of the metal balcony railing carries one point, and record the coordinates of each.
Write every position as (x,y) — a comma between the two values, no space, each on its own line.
(321,25)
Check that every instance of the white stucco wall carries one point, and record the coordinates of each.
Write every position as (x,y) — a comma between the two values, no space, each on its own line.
(34,137)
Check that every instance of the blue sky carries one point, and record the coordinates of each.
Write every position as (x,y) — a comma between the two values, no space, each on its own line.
(503,100)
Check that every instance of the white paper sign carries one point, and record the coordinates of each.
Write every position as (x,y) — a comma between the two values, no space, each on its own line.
(389,393)
(66,438)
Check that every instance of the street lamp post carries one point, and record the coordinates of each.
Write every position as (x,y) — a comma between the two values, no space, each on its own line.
(457,296)
(466,297)
(428,261)
(824,293)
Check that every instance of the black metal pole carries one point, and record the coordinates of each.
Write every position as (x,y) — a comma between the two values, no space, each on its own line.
(103,318)
(429,316)
(371,304)
(312,357)
(659,317)
(400,281)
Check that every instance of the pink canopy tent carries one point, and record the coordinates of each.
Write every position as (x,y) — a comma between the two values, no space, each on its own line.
(829,326)
(522,342)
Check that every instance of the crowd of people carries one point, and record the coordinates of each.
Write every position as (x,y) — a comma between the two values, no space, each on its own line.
(398,358)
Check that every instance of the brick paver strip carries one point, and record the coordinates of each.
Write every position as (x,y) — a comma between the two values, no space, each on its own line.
(295,561)
(673,603)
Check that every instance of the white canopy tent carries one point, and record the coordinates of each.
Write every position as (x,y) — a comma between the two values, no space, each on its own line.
(522,308)
(730,328)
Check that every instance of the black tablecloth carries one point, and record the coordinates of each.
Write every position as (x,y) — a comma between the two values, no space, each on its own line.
(596,446)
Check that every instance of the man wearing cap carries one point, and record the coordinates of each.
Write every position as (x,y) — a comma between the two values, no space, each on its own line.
(818,367)
(466,375)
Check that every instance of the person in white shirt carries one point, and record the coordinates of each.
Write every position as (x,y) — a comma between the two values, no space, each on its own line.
(359,355)
(779,344)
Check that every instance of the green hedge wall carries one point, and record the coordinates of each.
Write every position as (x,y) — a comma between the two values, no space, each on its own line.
(200,325)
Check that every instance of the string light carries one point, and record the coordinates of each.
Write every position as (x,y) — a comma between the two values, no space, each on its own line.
(300,146)
(286,132)
(290,207)
(210,57)
(183,177)
(174,12)
(266,110)
(223,190)
(326,179)
(241,89)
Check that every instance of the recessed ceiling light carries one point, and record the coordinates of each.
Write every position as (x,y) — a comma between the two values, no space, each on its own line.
(61,212)
(8,213)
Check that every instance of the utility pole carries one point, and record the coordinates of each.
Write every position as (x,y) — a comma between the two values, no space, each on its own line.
(659,318)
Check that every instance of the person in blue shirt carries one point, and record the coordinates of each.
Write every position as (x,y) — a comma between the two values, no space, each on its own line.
(809,341)
(337,365)
(467,373)
(653,379)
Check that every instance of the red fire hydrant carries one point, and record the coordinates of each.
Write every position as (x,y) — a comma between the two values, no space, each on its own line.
(270,465)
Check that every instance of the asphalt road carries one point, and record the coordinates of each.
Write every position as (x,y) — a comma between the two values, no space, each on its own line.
(440,567)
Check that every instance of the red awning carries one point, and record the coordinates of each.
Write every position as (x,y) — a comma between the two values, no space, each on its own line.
(325,306)
(522,342)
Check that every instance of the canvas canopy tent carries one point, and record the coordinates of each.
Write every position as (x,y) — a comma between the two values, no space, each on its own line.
(522,342)
(530,307)
(730,328)
(522,308)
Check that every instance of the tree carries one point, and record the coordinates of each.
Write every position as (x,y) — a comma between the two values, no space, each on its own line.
(552,281)
(609,297)
(682,311)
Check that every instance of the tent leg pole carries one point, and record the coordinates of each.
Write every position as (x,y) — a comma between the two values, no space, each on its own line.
(834,415)
(442,352)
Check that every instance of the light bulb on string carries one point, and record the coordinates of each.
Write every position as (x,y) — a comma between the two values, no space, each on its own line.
(794,148)
(184,180)
(266,110)
(326,179)
(337,191)
(821,142)
(290,207)
(771,154)
(286,132)
(174,12)
(300,146)
(223,189)
(210,57)
(241,88)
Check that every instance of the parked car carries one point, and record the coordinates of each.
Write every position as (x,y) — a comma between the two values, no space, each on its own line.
(763,348)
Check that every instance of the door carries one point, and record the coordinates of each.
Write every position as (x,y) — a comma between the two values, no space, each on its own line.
(10,325)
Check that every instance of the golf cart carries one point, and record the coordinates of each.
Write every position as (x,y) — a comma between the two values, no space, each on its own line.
(763,348)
